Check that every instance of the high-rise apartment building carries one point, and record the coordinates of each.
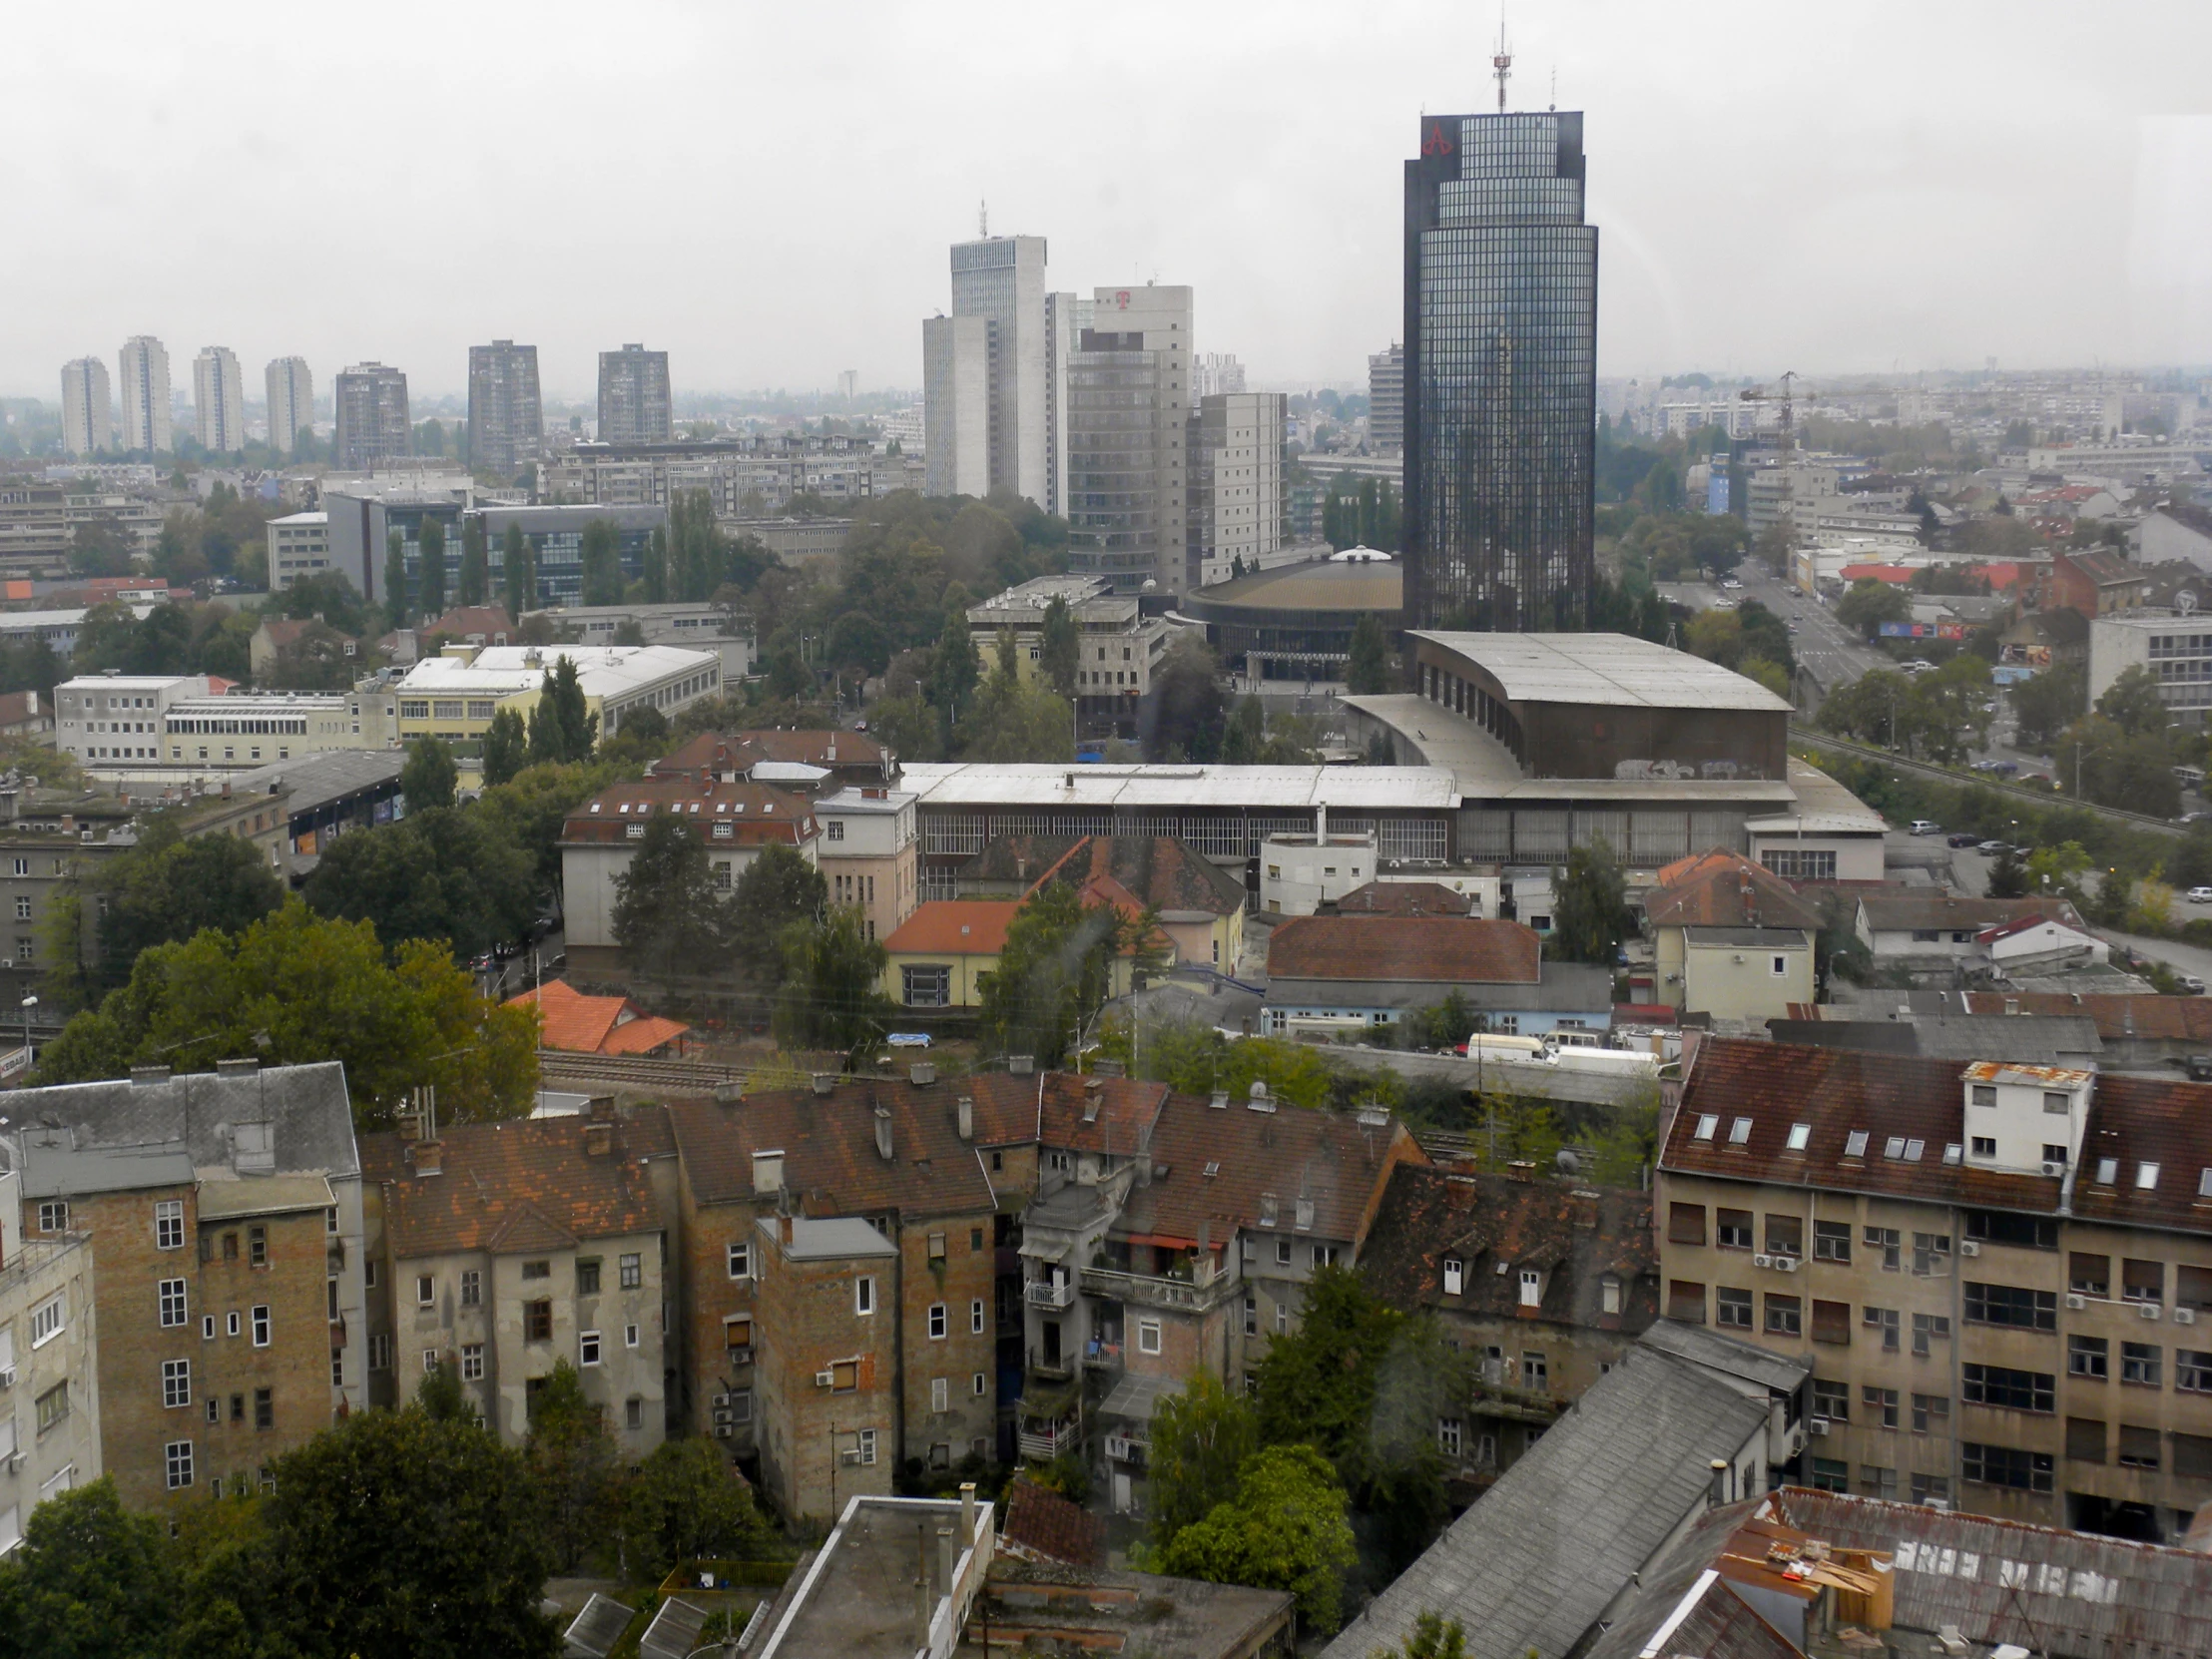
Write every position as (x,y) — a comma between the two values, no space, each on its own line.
(1129,407)
(290,403)
(88,424)
(1215,372)
(1501,374)
(1066,316)
(370,404)
(997,282)
(634,401)
(956,405)
(506,422)
(218,400)
(143,387)
(1387,400)
(1235,485)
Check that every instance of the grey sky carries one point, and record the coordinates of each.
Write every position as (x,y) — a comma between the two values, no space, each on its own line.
(767,192)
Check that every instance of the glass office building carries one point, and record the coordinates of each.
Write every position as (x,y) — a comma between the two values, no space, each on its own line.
(1500,389)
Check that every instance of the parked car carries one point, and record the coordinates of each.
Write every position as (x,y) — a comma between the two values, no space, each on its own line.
(1925,827)
(1994,850)
(2200,895)
(2192,985)
(1964,837)
(2200,1068)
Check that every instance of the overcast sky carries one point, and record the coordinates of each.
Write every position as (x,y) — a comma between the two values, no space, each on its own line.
(767,192)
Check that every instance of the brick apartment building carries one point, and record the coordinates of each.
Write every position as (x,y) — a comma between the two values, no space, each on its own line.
(502,1249)
(2002,1274)
(223,1212)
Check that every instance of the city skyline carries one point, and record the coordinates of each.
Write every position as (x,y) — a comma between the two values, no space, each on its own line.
(1769,207)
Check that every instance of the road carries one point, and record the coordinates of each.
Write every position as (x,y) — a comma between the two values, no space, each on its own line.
(1831,653)
(1543,1082)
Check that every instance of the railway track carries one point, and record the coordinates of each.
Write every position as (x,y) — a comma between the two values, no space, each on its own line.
(2035,798)
(638,1071)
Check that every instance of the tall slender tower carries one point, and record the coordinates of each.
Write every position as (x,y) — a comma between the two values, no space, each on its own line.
(144,388)
(506,422)
(634,401)
(218,400)
(1500,386)
(369,402)
(1001,280)
(87,425)
(1129,409)
(290,403)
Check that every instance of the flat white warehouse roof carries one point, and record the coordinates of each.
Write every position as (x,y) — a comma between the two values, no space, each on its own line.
(1035,783)
(602,670)
(1617,669)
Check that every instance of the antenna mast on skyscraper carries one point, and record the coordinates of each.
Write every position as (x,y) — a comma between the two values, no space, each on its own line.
(1502,64)
(983,221)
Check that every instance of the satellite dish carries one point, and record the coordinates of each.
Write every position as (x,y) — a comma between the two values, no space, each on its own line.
(2185,601)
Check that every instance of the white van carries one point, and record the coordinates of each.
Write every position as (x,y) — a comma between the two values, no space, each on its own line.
(1923,826)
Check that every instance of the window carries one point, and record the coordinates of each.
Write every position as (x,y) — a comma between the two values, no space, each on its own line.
(865,1439)
(1732,1307)
(338,1369)
(1784,1314)
(53,1215)
(2016,1391)
(927,985)
(1831,1475)
(1734,1229)
(1739,1132)
(1801,1136)
(425,1290)
(1884,1319)
(632,1412)
(1251,1315)
(937,1321)
(632,1268)
(177,1463)
(1854,1144)
(2193,1370)
(1932,1255)
(863,1296)
(1785,1235)
(1985,1146)
(2088,1356)
(2141,1363)
(1876,1482)
(48,1319)
(2085,1439)
(1531,1287)
(537,1322)
(1831,1401)
(207,1327)
(2139,1447)
(472,1362)
(257,1246)
(1536,1370)
(264,1409)
(1831,1241)
(587,1276)
(1886,1241)
(1832,1323)
(2008,1305)
(1927,1328)
(940,1393)
(1707,1123)
(169,1224)
(975,1322)
(230,1324)
(587,1348)
(472,1288)
(2142,1281)
(429,1369)
(169,1292)
(1608,1294)
(1148,1335)
(368,1273)
(379,1351)
(537,1270)
(1325,1256)
(1455,1270)
(740,1261)
(1881,1404)
(1781,965)
(176,1383)
(1932,1410)
(1282,1253)
(2089,1275)
(2027,1232)
(1686,1301)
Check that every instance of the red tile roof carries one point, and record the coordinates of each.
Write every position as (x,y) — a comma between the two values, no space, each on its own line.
(2138,1123)
(1724,889)
(462,621)
(1041,1525)
(580,1024)
(1902,912)
(1876,573)
(956,927)
(1404,898)
(524,1185)
(753,814)
(719,753)
(1421,949)
(2157,1018)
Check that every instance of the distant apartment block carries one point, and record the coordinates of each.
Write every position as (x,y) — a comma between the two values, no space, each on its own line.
(1129,406)
(506,423)
(290,403)
(634,401)
(956,407)
(299,547)
(1235,485)
(1214,374)
(370,402)
(88,421)
(1387,399)
(218,400)
(143,387)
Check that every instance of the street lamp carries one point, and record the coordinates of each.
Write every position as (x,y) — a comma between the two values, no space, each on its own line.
(29,1004)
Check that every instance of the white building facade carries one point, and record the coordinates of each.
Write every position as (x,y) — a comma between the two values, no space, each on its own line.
(87,419)
(143,387)
(218,400)
(290,403)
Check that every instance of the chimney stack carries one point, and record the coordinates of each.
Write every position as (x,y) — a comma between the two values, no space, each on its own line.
(967,1118)
(884,1133)
(924,1601)
(1521,1169)
(599,1139)
(967,1511)
(1719,1466)
(768,1172)
(429,1158)
(783,1227)
(948,1556)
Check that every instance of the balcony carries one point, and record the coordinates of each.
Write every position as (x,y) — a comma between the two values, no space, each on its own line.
(1127,1449)
(1147,1291)
(1047,1440)
(1045,1292)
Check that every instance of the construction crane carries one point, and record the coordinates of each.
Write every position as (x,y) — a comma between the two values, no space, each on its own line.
(1787,510)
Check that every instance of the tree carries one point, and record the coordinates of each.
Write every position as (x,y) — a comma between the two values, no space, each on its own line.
(395,578)
(832,995)
(428,776)
(1367,671)
(1591,917)
(687,1504)
(2008,877)
(562,728)
(98,547)
(1433,1637)
(430,566)
(1284,1530)
(475,584)
(572,1464)
(442,875)
(1187,704)
(777,891)
(602,563)
(668,918)
(1870,604)
(656,566)
(441,1396)
(2133,773)
(1055,973)
(1060,647)
(1201,1438)
(293,988)
(2048,701)
(1012,719)
(2132,703)
(955,668)
(393,1535)
(164,891)
(517,570)
(88,1582)
(506,748)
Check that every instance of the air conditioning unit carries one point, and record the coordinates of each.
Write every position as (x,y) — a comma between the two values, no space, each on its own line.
(2077,1303)
(2185,1316)
(1970,1247)
(721,1401)
(725,1432)
(1785,1263)
(7,1377)
(2151,1310)
(1762,1261)
(848,1458)
(1815,1426)
(2050,1168)
(825,1379)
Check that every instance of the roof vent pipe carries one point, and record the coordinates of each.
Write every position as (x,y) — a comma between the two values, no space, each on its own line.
(884,1133)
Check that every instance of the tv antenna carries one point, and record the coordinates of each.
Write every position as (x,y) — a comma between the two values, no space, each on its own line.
(1554,104)
(1501,62)
(984,219)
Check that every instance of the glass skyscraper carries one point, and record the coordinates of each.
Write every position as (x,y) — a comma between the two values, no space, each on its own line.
(1500,375)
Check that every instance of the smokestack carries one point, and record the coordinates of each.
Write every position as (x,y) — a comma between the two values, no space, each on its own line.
(884,1133)
(1719,1466)
(599,1139)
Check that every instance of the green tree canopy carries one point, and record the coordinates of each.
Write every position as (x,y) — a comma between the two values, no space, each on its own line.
(395,578)
(1590,918)
(518,572)
(2132,703)
(1187,704)
(1870,604)
(572,1464)
(777,891)
(687,1504)
(475,582)
(602,562)
(428,776)
(2048,701)
(562,728)
(88,1582)
(832,995)
(1368,672)
(668,917)
(441,873)
(1060,647)
(165,889)
(506,748)
(430,569)
(1284,1530)
(1053,974)
(1201,1439)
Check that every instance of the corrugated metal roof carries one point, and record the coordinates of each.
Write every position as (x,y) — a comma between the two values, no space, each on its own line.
(1605,667)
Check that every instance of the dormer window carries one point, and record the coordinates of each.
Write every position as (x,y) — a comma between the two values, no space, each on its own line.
(1531,1287)
(1739,1132)
(1801,1134)
(1706,1125)
(1456,1271)
(2108,1171)
(1609,1295)
(2146,1177)
(1854,1145)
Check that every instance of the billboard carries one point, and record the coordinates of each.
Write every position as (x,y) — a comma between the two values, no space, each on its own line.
(1924,630)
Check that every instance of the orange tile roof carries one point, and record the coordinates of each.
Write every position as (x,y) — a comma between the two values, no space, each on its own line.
(960,926)
(1711,891)
(752,813)
(580,1024)
(1423,948)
